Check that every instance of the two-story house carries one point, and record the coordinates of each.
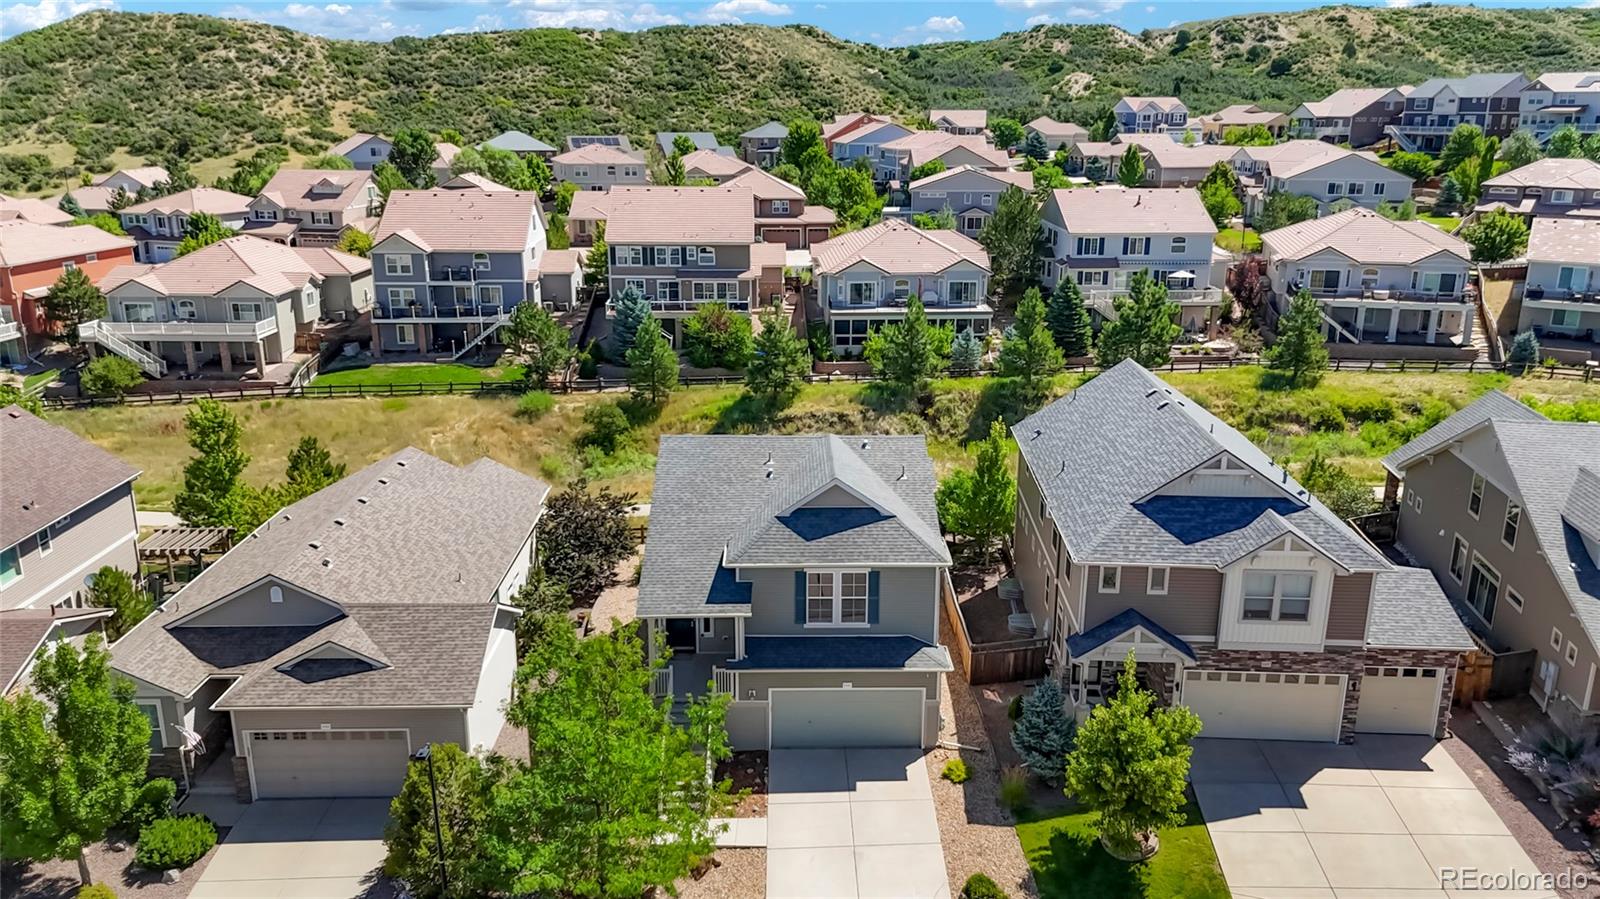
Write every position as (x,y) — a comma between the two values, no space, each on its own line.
(683,247)
(1434,108)
(1151,115)
(898,158)
(1557,99)
(1379,280)
(239,299)
(520,143)
(1215,127)
(1545,188)
(1057,135)
(763,144)
(363,150)
(969,192)
(33,209)
(1101,236)
(1312,168)
(801,575)
(32,258)
(313,207)
(1146,523)
(323,650)
(845,123)
(864,279)
(1560,295)
(599,166)
(864,141)
(99,195)
(960,121)
(1503,506)
(158,225)
(709,164)
(450,265)
(782,214)
(1354,115)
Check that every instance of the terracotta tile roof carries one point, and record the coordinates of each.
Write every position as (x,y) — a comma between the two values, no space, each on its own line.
(199,199)
(898,248)
(597,154)
(1016,177)
(49,473)
(90,198)
(562,262)
(268,266)
(23,242)
(326,261)
(925,146)
(1564,240)
(1364,236)
(147,175)
(471,181)
(1170,154)
(766,255)
(29,209)
(444,154)
(1050,127)
(1244,114)
(655,215)
(1577,174)
(317,189)
(961,118)
(472,221)
(713,164)
(1136,210)
(589,205)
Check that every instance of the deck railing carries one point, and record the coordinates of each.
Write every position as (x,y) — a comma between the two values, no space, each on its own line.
(725,681)
(661,681)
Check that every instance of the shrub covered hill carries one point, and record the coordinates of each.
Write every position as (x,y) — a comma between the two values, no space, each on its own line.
(109,87)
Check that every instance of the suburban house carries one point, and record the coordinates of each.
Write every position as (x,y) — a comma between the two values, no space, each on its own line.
(522,144)
(1434,108)
(864,142)
(782,214)
(1546,188)
(620,141)
(960,121)
(599,166)
(718,167)
(313,207)
(1151,115)
(1557,99)
(763,144)
(157,225)
(1167,162)
(32,209)
(1084,156)
(865,277)
(683,247)
(1354,115)
(363,150)
(240,299)
(470,181)
(1319,170)
(97,196)
(1379,280)
(29,630)
(1214,127)
(1146,523)
(800,575)
(33,257)
(1560,297)
(1100,236)
(1057,135)
(561,277)
(846,123)
(444,157)
(314,659)
(589,208)
(450,265)
(898,158)
(702,140)
(972,193)
(69,513)
(1503,506)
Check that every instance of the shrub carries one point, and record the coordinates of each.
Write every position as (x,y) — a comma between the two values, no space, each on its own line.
(153,803)
(96,891)
(980,886)
(1014,710)
(717,337)
(955,771)
(535,404)
(175,842)
(607,425)
(1044,734)
(1325,418)
(110,376)
(1014,789)
(588,369)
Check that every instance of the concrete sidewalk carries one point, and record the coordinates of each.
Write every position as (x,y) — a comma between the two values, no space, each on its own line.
(301,849)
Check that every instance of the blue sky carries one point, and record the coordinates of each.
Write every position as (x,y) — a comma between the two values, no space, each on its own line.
(894,23)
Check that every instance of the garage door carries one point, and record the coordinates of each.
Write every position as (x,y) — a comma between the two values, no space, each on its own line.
(846,717)
(1266,705)
(292,764)
(1399,701)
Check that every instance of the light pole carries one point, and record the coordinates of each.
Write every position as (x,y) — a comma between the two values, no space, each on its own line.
(425,754)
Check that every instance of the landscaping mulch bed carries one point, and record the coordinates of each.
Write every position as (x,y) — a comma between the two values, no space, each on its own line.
(59,879)
(748,771)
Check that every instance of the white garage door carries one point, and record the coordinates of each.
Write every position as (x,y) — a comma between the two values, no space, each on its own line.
(1399,701)
(846,717)
(292,764)
(1266,705)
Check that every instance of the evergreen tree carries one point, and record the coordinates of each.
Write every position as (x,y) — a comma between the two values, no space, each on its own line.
(1104,125)
(1299,354)
(1043,736)
(682,145)
(1524,354)
(1012,236)
(213,494)
(631,311)
(906,353)
(461,783)
(980,505)
(1520,149)
(1144,328)
(781,360)
(114,589)
(72,300)
(535,337)
(1282,209)
(966,352)
(1068,319)
(70,206)
(1029,353)
(1591,147)
(1094,168)
(1448,200)
(675,174)
(310,467)
(1035,148)
(1130,172)
(1565,143)
(652,365)
(597,264)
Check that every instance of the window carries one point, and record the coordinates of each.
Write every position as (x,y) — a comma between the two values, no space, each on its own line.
(902,288)
(1571,653)
(275,593)
(863,293)
(491,294)
(1091,246)
(244,312)
(1277,596)
(1180,245)
(480,262)
(1136,246)
(321,218)
(397,264)
(1157,585)
(1561,196)
(1355,188)
(1379,188)
(1369,279)
(1434,282)
(152,711)
(633,284)
(405,335)
(138,312)
(10,565)
(1110,579)
(1325,281)
(1483,587)
(580,172)
(629,255)
(669,256)
(264,215)
(667,290)
(1475,499)
(43,537)
(988,200)
(630,171)
(185,310)
(1335,189)
(1555,638)
(1565,318)
(973,223)
(1508,533)
(1092,278)
(780,207)
(69,266)
(836,598)
(402,296)
(708,256)
(715,291)
(708,627)
(1513,599)
(1458,559)
(1572,278)
(963,292)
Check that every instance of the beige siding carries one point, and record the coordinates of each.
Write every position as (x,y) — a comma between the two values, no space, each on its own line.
(425,725)
(100,533)
(1042,564)
(253,607)
(1189,608)
(1347,606)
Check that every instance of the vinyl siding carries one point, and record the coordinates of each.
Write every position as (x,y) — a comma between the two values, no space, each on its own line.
(425,725)
(1347,606)
(908,604)
(1188,608)
(253,607)
(487,715)
(102,532)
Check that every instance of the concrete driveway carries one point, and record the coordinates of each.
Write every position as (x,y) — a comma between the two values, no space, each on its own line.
(1390,816)
(845,823)
(300,849)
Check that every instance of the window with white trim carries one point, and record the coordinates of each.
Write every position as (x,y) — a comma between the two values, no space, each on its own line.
(1110,579)
(244,312)
(1136,246)
(405,335)
(629,255)
(152,711)
(1180,245)
(963,292)
(669,256)
(1513,599)
(667,289)
(402,296)
(492,294)
(43,538)
(1555,638)
(397,264)
(715,291)
(1483,588)
(1379,188)
(1571,653)
(836,598)
(1157,582)
(185,310)
(1458,559)
(1508,533)
(1475,499)
(138,311)
(780,207)
(708,256)
(480,262)
(321,218)
(1091,246)
(1277,595)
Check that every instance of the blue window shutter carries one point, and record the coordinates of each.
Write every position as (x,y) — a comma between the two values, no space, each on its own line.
(799,597)
(872,597)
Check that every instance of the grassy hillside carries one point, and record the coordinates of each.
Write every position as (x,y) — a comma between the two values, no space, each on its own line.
(110,88)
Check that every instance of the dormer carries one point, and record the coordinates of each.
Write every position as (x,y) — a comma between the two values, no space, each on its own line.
(327,187)
(336,657)
(1276,595)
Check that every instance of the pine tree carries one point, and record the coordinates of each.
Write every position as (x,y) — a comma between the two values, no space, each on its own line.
(72,300)
(631,311)
(781,360)
(1034,147)
(1029,353)
(652,365)
(966,352)
(1524,353)
(1130,171)
(213,493)
(70,206)
(1043,736)
(597,265)
(1068,319)
(1299,354)
(906,353)
(1449,198)
(310,467)
(1144,327)
(1012,237)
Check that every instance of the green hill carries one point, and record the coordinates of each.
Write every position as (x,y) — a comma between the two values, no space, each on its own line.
(114,88)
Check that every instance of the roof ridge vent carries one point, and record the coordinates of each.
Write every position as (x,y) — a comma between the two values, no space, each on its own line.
(339,522)
(1163,404)
(383,480)
(362,500)
(314,544)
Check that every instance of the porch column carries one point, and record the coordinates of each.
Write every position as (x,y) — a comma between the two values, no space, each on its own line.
(188,356)
(261,360)
(1394,323)
(225,356)
(1433,324)
(1467,315)
(738,638)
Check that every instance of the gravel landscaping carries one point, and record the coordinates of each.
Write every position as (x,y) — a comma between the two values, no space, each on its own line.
(739,874)
(59,879)
(620,601)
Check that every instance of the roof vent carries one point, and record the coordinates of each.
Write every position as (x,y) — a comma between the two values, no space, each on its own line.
(401,463)
(1037,433)
(1151,392)
(327,563)
(865,443)
(362,500)
(314,545)
(339,522)
(769,474)
(383,480)
(1163,404)
(902,473)
(286,516)
(769,457)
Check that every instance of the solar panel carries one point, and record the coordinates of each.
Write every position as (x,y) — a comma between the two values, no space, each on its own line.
(608,140)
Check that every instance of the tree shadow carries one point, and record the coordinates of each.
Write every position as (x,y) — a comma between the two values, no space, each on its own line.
(640,411)
(1073,864)
(1003,399)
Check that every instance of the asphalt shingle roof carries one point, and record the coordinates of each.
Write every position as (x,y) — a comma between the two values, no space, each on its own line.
(1409,611)
(850,653)
(1494,404)
(47,473)
(1119,624)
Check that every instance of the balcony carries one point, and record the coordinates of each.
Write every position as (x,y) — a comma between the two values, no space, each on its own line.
(1186,297)
(930,300)
(1556,295)
(243,332)
(441,312)
(1368,294)
(9,329)
(459,274)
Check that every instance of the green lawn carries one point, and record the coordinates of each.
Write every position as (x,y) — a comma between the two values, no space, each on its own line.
(1236,240)
(1069,863)
(385,374)
(38,380)
(1448,223)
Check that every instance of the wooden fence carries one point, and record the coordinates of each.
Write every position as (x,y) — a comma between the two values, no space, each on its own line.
(1483,674)
(990,663)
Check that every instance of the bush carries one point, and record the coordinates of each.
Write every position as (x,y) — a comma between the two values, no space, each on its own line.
(153,803)
(110,376)
(1014,710)
(588,369)
(608,427)
(980,886)
(717,337)
(1325,418)
(96,891)
(955,771)
(1014,789)
(175,842)
(535,404)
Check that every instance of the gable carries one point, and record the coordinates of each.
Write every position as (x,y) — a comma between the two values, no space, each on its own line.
(269,602)
(1480,450)
(962,156)
(834,497)
(395,243)
(1350,165)
(1222,476)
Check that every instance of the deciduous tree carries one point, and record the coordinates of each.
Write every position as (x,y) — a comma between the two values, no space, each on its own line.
(980,505)
(1565,143)
(213,493)
(356,242)
(597,265)
(804,134)
(931,167)
(413,154)
(1006,132)
(108,375)
(1496,236)
(1299,355)
(329,161)
(461,783)
(583,535)
(1463,143)
(534,337)
(943,220)
(202,230)
(1282,209)
(388,179)
(717,337)
(1144,327)
(1520,149)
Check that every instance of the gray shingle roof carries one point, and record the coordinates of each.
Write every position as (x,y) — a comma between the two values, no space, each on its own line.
(1493,404)
(770,129)
(712,494)
(518,142)
(49,473)
(1100,453)
(1545,458)
(1482,84)
(846,653)
(1410,611)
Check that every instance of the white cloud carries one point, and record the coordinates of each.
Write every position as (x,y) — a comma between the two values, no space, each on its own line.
(1053,11)
(20,17)
(734,11)
(591,14)
(329,20)
(1040,19)
(944,25)
(1397,4)
(930,31)
(485,22)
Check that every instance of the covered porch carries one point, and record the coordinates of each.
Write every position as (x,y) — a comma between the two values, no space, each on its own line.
(1446,322)
(698,651)
(1096,657)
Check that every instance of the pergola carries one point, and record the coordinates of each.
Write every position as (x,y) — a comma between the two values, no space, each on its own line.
(170,543)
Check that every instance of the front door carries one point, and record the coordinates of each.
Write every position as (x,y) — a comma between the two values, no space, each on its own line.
(680,635)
